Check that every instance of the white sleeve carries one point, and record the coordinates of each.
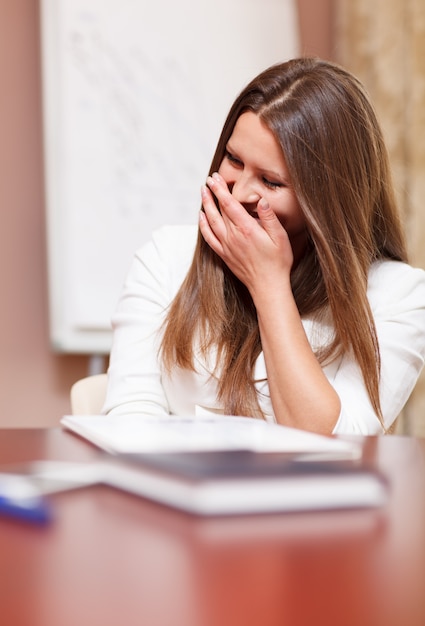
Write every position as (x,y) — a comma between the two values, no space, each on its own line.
(397,297)
(134,376)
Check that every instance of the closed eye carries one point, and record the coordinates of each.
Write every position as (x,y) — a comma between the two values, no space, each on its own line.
(232,159)
(272,184)
(235,162)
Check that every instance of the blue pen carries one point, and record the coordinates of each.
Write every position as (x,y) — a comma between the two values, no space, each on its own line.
(19,499)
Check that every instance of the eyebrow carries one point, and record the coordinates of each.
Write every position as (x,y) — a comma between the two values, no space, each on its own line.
(271,174)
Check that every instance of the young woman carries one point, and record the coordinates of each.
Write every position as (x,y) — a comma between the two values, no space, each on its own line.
(293,300)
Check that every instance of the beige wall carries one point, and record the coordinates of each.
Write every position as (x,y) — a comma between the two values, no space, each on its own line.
(383,43)
(34,382)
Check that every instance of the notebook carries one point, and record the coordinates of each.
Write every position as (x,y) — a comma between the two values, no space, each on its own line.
(241,482)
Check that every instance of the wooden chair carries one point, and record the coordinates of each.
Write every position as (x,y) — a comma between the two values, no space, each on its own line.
(88,395)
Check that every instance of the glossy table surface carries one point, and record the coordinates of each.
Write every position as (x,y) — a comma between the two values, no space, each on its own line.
(110,558)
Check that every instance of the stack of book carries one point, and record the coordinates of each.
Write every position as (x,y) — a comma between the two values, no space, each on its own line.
(229,465)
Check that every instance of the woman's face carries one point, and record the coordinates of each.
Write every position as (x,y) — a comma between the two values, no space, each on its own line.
(254,167)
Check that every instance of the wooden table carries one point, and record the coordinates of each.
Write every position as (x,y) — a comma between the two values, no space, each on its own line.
(110,558)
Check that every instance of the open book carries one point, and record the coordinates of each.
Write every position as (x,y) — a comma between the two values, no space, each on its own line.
(143,434)
(230,465)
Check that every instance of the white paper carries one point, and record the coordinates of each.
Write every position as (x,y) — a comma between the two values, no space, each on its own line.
(135,433)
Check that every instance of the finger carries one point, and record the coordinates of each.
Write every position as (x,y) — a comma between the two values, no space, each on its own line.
(210,208)
(209,235)
(209,221)
(230,208)
(269,220)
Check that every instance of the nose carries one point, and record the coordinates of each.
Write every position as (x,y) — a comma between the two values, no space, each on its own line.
(244,191)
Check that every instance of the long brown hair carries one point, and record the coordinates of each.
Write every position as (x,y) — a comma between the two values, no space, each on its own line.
(338,164)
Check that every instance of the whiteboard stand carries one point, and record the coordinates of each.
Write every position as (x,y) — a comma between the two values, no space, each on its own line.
(97,364)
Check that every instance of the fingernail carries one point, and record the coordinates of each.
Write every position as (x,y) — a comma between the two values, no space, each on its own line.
(216,176)
(210,181)
(263,204)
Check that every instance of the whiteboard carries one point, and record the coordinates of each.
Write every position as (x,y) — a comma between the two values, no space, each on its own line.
(134,97)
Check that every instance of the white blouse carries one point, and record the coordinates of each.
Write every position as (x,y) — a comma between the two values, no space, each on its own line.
(137,383)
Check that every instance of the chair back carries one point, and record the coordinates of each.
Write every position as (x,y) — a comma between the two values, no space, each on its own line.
(88,395)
